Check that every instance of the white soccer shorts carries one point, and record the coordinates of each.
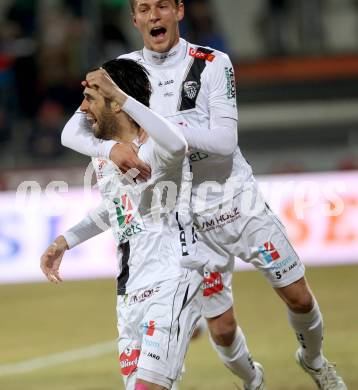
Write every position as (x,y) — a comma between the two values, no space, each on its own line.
(259,239)
(155,325)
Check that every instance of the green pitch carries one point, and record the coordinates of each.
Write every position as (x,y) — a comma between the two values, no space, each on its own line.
(40,320)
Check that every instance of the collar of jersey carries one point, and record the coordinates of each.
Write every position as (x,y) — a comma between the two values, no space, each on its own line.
(174,55)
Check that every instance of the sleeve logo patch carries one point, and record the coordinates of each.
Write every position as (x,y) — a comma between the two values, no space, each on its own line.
(230,83)
(202,56)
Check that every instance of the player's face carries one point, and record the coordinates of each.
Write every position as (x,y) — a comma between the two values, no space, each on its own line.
(158,23)
(99,114)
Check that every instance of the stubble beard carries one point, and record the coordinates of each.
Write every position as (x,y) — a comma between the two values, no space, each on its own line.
(107,126)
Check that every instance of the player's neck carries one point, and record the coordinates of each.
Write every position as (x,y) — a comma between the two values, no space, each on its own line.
(128,130)
(175,54)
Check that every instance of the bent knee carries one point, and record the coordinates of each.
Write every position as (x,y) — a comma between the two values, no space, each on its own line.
(302,303)
(223,332)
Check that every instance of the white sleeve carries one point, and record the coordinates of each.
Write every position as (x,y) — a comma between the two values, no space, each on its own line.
(164,133)
(96,222)
(77,135)
(221,137)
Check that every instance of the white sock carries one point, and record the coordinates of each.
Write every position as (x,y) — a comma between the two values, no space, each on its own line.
(309,332)
(238,359)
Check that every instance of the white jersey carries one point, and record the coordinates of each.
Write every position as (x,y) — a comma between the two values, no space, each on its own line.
(146,237)
(195,87)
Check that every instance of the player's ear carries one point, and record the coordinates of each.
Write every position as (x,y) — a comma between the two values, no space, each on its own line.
(180,11)
(134,20)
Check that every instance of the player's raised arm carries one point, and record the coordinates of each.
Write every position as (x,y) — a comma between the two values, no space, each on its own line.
(78,136)
(164,133)
(221,137)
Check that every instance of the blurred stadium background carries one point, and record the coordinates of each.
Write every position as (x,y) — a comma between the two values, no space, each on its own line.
(297,71)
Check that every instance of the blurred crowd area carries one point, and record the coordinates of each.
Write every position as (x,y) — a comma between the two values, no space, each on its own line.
(46,47)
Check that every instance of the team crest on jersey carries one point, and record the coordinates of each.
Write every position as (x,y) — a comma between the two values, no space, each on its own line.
(191,89)
(128,360)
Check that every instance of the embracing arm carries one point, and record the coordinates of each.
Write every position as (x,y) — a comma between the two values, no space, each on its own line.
(165,134)
(219,84)
(220,139)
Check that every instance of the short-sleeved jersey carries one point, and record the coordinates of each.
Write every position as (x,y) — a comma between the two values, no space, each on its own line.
(134,222)
(191,85)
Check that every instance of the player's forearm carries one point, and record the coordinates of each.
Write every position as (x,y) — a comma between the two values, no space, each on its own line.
(164,133)
(221,139)
(93,224)
(77,135)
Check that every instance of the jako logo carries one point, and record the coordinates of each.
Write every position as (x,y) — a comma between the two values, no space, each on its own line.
(149,328)
(123,209)
(202,56)
(269,252)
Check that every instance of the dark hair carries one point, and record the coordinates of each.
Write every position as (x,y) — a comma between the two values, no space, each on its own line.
(131,2)
(131,78)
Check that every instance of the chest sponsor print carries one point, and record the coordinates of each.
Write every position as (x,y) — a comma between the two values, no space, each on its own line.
(127,224)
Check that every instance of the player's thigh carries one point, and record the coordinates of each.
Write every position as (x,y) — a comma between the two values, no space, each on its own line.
(168,324)
(129,341)
(216,293)
(264,244)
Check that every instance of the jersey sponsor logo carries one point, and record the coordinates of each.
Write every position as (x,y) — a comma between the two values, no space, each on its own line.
(219,220)
(201,55)
(269,252)
(164,56)
(130,231)
(141,297)
(150,343)
(198,156)
(125,218)
(167,82)
(123,210)
(230,83)
(149,328)
(153,355)
(212,283)
(191,89)
(100,165)
(128,360)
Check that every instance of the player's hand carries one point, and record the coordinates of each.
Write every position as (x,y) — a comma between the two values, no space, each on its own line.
(51,259)
(125,156)
(102,82)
